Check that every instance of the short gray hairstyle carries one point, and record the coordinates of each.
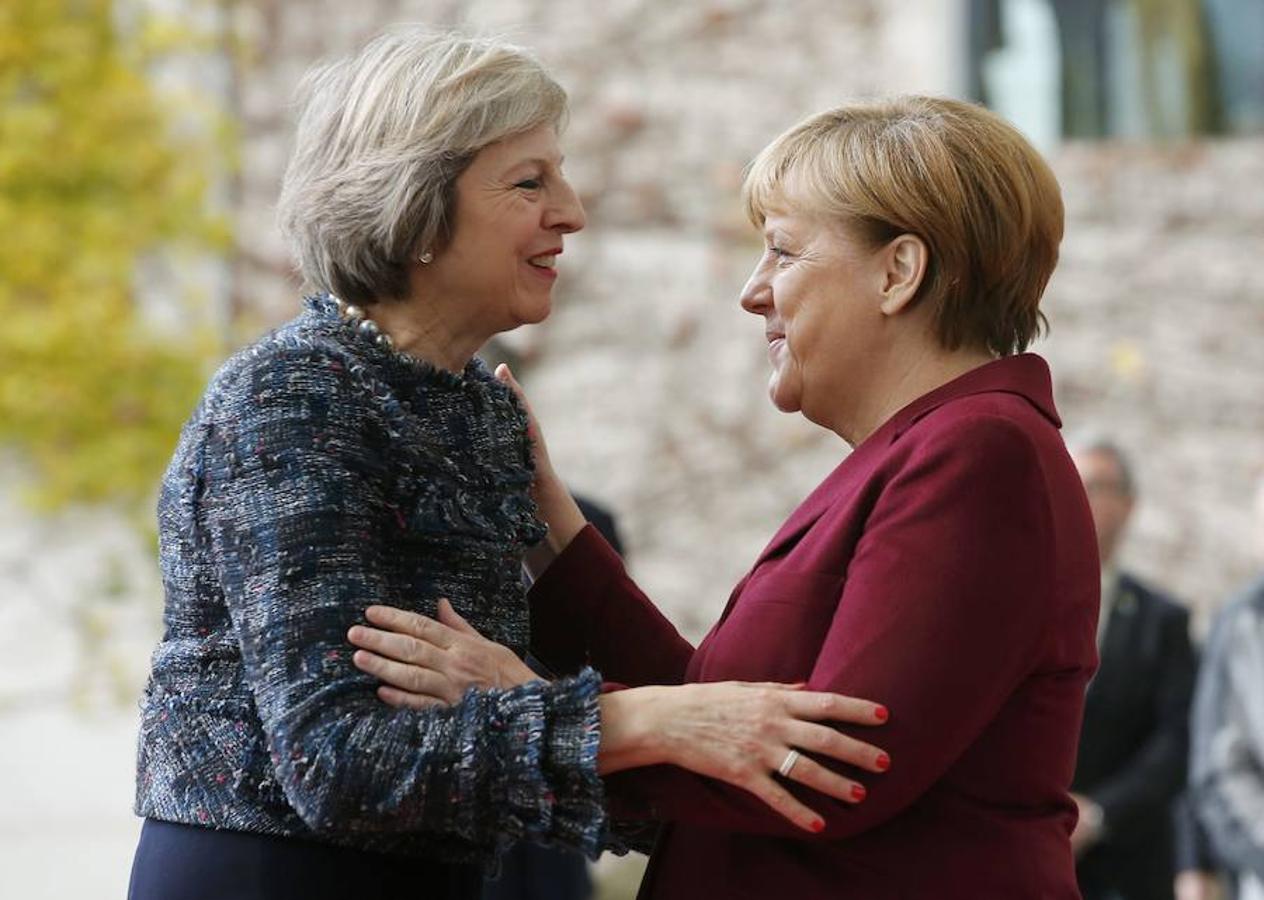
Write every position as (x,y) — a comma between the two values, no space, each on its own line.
(383,135)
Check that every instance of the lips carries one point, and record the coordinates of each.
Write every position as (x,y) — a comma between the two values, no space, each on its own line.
(546,259)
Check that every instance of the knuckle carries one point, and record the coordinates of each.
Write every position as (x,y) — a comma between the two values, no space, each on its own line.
(837,745)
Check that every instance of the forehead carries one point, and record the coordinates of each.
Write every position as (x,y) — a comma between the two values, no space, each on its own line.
(537,145)
(787,215)
(1097,464)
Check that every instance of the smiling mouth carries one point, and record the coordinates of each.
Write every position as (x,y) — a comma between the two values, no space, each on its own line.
(547,260)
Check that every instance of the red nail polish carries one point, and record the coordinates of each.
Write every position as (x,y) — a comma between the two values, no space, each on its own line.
(880,713)
(818,826)
(858,792)
(883,762)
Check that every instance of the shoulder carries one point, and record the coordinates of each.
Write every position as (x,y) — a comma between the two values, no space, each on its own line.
(977,434)
(290,370)
(1154,601)
(1243,614)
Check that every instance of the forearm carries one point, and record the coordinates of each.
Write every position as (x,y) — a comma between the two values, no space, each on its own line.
(1231,806)
(561,514)
(1145,786)
(586,610)
(499,765)
(628,736)
(1227,778)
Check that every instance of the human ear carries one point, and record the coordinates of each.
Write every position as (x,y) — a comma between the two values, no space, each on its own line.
(904,263)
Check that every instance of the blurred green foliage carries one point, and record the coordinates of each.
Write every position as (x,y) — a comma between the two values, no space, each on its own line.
(99,173)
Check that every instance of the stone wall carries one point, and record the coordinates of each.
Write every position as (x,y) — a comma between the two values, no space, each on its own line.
(650,379)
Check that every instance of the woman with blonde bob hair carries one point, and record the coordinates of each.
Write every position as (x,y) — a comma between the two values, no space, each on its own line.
(362,454)
(946,566)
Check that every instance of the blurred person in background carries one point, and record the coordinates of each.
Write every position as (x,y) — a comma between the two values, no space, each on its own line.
(1135,741)
(947,565)
(1227,764)
(361,454)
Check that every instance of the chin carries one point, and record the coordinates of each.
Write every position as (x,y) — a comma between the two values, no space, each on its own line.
(785,401)
(533,313)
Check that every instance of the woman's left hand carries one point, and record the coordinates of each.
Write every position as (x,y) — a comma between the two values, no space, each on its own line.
(424,662)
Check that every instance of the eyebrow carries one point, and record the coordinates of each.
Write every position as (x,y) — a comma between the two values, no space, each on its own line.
(537,161)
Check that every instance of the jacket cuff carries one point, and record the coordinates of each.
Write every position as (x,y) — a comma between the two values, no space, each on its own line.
(555,790)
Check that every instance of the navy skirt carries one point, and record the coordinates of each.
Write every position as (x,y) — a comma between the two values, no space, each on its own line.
(184,862)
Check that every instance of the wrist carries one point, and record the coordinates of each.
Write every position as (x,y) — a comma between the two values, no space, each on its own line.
(629,736)
(560,513)
(1094,818)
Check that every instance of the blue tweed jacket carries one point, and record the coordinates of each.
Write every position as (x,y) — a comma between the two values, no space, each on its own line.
(320,474)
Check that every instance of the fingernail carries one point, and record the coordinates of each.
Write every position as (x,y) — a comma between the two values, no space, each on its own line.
(883,762)
(858,792)
(818,826)
(880,713)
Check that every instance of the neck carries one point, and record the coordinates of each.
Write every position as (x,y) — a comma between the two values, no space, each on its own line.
(906,376)
(429,332)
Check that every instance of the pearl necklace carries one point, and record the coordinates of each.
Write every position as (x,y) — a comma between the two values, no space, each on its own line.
(358,319)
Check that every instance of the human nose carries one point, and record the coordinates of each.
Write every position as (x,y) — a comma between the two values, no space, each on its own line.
(756,296)
(566,213)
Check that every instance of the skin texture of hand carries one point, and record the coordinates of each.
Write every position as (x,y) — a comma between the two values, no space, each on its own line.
(735,732)
(424,662)
(1087,830)
(1193,884)
(740,733)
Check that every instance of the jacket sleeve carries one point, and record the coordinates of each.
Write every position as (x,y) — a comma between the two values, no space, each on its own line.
(944,609)
(1227,765)
(1190,849)
(296,500)
(586,610)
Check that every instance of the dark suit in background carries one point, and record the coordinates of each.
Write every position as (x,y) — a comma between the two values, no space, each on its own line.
(1135,744)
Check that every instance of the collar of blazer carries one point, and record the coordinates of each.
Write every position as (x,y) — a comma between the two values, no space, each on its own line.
(1026,375)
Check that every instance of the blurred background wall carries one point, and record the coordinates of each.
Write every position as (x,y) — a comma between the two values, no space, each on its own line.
(141,146)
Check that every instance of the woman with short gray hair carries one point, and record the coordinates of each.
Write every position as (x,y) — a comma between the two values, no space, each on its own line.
(362,454)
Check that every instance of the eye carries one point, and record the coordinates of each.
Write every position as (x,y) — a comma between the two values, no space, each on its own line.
(779,254)
(529,184)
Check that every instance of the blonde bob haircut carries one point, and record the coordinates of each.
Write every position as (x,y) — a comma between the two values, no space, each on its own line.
(382,137)
(959,177)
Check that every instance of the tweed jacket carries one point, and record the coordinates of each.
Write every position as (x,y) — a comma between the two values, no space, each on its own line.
(1227,761)
(322,473)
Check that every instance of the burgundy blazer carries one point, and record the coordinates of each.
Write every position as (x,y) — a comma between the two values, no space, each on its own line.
(946,568)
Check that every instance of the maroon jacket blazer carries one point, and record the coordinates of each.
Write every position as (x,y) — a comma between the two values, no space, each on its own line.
(948,569)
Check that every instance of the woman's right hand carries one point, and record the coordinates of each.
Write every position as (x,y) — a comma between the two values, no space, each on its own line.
(539,449)
(742,733)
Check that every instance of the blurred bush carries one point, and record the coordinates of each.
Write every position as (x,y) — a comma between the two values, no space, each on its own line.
(101,174)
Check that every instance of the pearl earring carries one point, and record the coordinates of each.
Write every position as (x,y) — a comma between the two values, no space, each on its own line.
(426,258)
